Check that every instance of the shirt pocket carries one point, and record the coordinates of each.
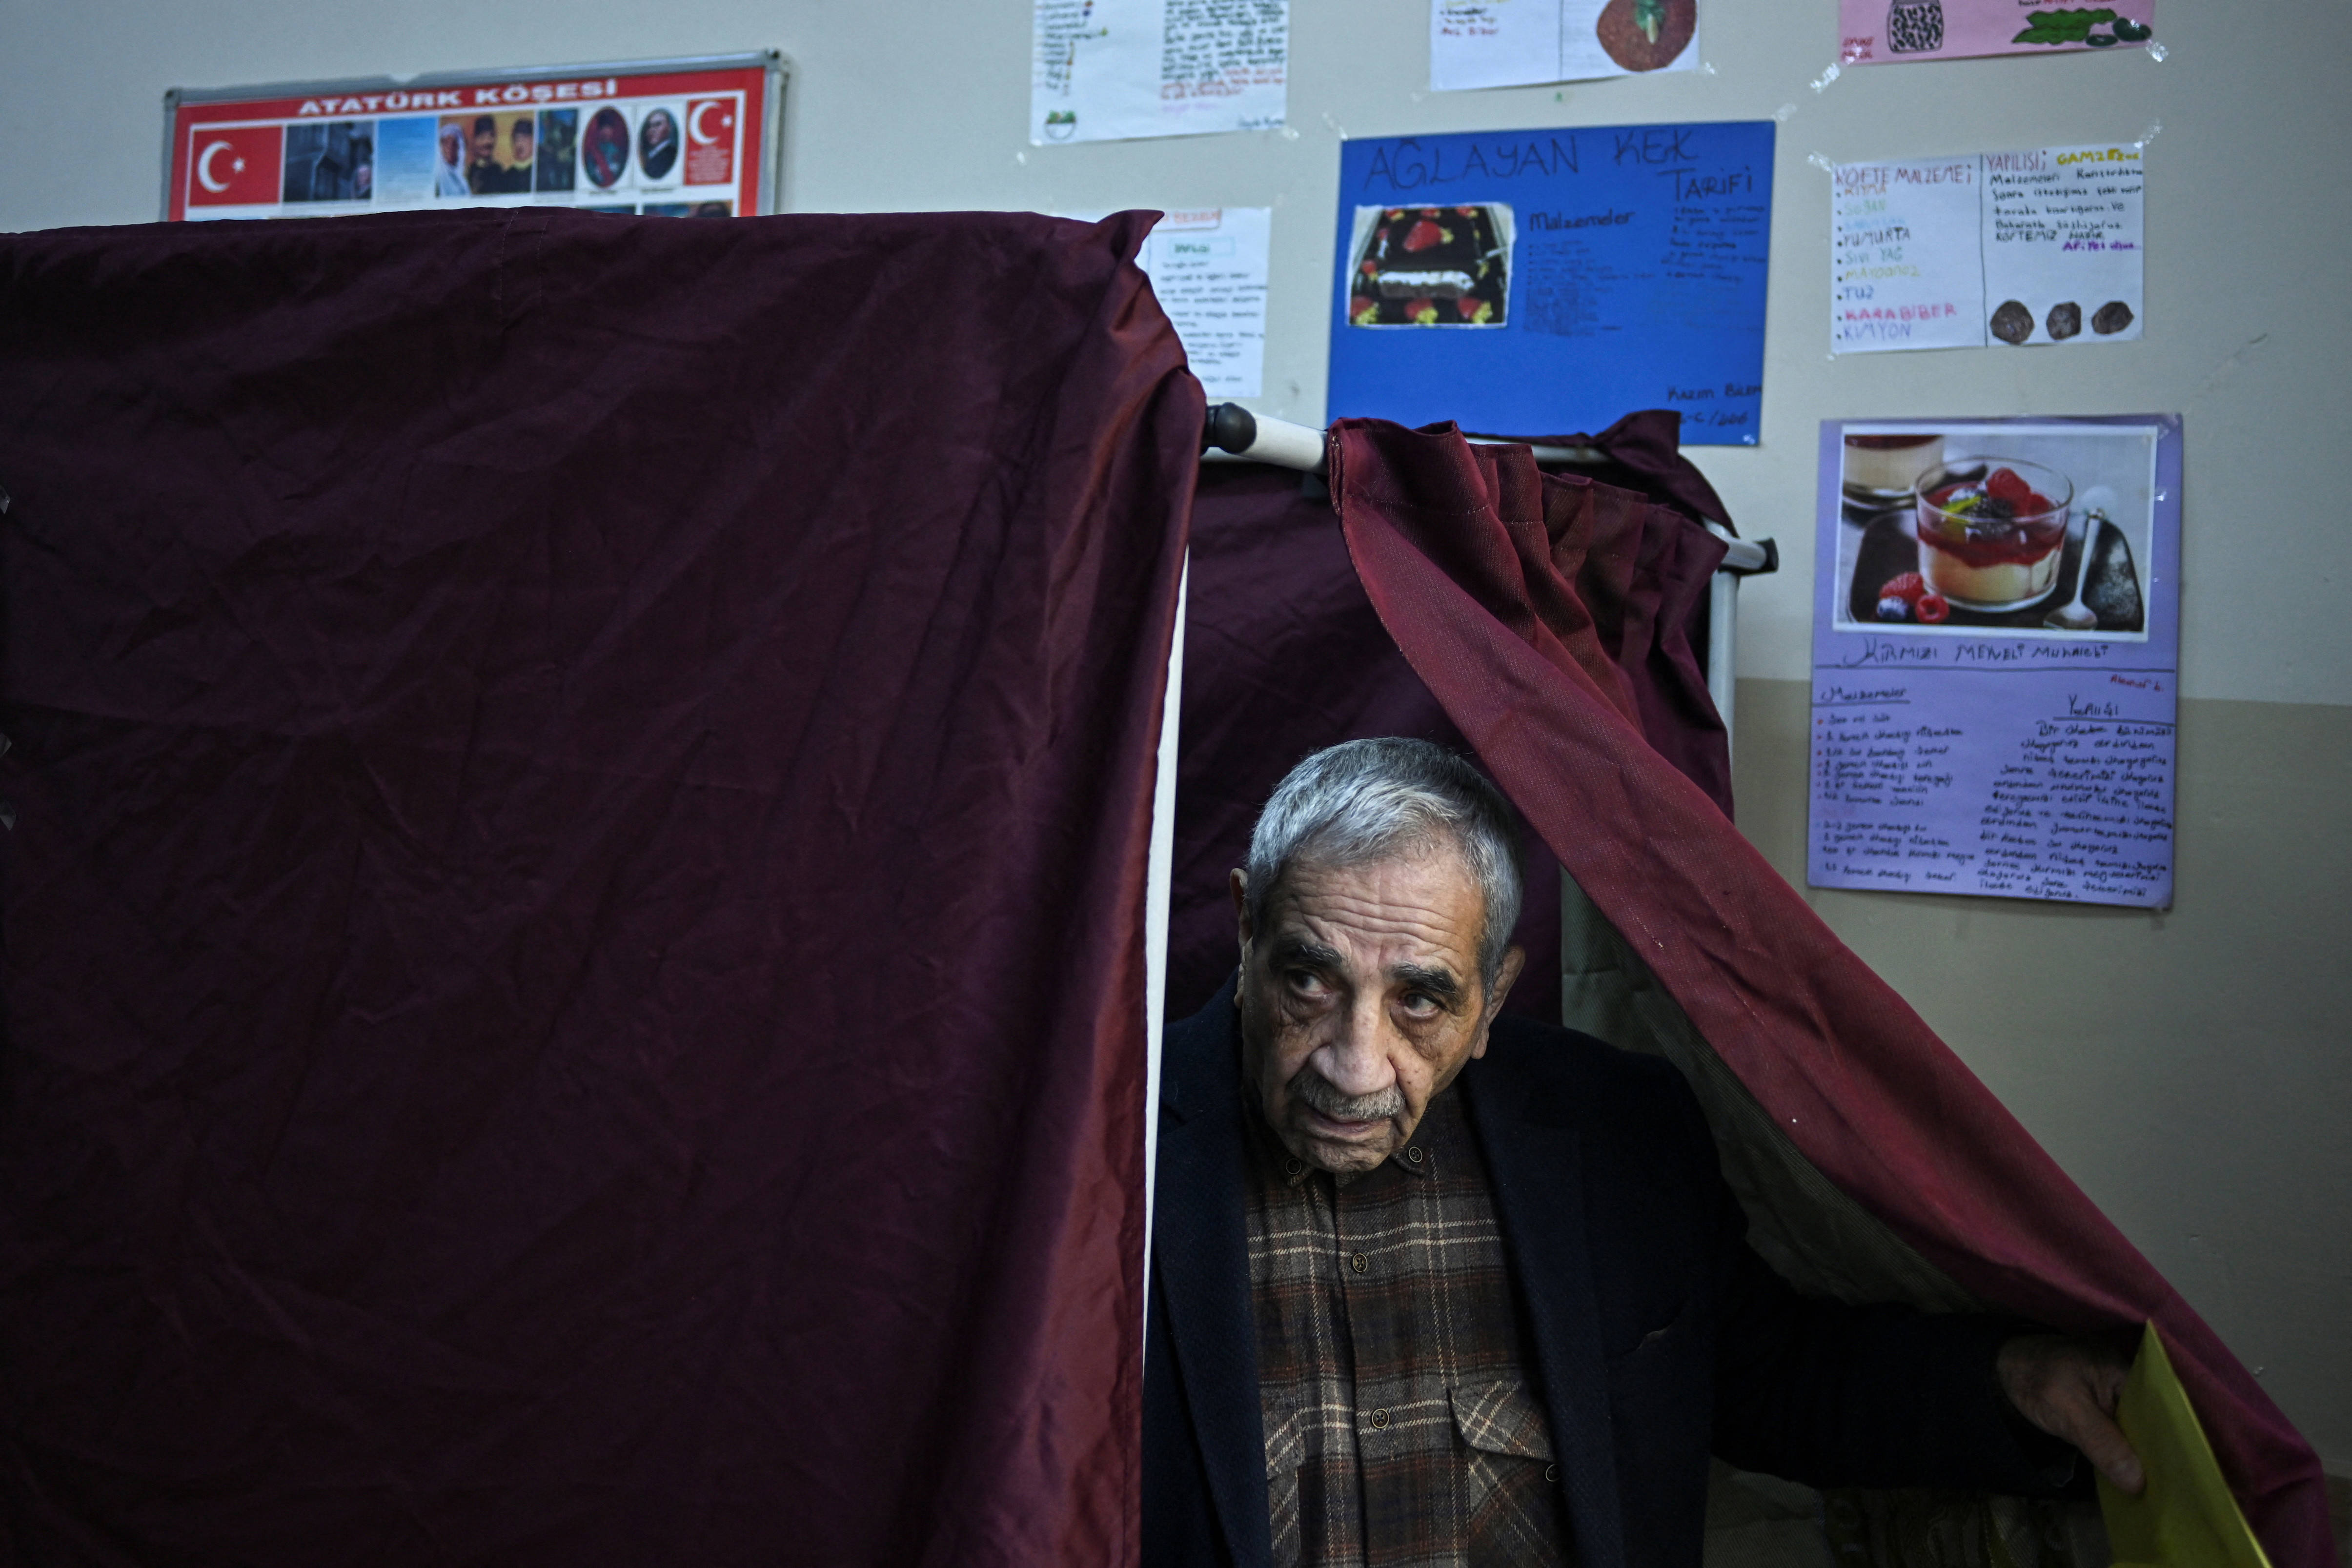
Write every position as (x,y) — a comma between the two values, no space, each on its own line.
(1511,1510)
(1285,1455)
(1501,1418)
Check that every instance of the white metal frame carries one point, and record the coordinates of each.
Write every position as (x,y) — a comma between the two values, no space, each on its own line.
(1159,892)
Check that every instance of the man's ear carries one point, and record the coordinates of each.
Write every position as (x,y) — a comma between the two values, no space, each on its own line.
(1515,959)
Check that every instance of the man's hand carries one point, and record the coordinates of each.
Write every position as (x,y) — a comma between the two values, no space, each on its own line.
(2068,1387)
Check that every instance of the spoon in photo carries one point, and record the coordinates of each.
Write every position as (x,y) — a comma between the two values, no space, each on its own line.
(2075,615)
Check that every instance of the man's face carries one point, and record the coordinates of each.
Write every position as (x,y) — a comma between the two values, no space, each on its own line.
(1359,1001)
(486,143)
(520,140)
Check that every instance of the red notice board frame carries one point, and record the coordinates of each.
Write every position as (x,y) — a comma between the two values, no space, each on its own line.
(223,137)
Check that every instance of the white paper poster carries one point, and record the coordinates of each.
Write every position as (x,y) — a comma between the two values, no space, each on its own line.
(1518,43)
(1110,69)
(2040,247)
(1208,268)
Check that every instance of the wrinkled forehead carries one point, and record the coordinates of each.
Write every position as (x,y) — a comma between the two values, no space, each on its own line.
(1433,858)
(1418,905)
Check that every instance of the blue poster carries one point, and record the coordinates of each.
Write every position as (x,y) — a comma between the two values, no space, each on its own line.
(1546,283)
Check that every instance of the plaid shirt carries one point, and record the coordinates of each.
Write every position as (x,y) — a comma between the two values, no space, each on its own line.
(1401,1430)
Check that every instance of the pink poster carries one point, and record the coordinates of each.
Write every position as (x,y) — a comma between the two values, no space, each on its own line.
(1882,32)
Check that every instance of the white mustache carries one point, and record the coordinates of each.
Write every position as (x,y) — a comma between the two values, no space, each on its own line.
(1320,1093)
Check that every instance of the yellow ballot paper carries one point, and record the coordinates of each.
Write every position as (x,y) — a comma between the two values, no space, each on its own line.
(2186,1518)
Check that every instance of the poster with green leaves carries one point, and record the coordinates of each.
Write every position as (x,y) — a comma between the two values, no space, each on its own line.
(1890,32)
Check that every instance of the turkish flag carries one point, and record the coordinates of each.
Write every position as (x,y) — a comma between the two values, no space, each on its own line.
(234,168)
(709,141)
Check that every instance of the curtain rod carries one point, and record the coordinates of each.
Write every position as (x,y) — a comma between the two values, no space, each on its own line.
(1232,434)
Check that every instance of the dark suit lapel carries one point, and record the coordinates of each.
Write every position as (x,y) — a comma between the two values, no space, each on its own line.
(1201,1261)
(1533,1166)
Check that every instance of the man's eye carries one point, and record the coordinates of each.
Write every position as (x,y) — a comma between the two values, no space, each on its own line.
(1305,981)
(1421,1003)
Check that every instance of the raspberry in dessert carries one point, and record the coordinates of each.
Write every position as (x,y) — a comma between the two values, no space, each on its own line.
(1889,466)
(1992,544)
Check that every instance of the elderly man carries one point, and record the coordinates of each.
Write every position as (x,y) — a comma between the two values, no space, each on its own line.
(1433,1287)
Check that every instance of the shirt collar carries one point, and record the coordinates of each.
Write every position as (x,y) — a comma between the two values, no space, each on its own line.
(1415,1157)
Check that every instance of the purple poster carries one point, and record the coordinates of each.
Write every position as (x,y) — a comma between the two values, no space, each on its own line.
(1996,638)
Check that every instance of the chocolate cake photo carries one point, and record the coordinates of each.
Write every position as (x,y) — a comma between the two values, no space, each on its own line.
(1431,267)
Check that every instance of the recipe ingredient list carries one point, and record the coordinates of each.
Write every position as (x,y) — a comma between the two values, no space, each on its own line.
(2025,783)
(1208,268)
(1110,69)
(2034,247)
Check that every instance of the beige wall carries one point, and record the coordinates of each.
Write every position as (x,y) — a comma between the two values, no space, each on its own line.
(2192,1070)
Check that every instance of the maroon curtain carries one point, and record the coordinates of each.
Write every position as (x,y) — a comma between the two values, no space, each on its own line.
(1642,453)
(1284,655)
(574,969)
(1639,572)
(1438,531)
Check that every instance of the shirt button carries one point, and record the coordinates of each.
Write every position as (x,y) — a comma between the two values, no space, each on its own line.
(1414,1155)
(1552,1472)
(1358,1263)
(1380,1419)
(1292,1167)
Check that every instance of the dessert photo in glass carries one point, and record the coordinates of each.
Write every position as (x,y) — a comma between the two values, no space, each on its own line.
(2018,527)
(1881,469)
(1990,531)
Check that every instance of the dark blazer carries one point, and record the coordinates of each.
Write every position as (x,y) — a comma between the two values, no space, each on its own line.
(1658,1335)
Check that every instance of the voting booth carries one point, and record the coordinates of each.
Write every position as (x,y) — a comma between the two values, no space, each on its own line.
(602,819)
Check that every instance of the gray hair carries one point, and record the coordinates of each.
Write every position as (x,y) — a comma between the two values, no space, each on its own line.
(1368,800)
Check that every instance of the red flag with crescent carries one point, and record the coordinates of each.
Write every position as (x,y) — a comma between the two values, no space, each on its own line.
(237,167)
(709,141)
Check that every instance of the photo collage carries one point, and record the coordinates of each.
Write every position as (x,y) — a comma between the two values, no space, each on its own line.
(612,158)
(677,147)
